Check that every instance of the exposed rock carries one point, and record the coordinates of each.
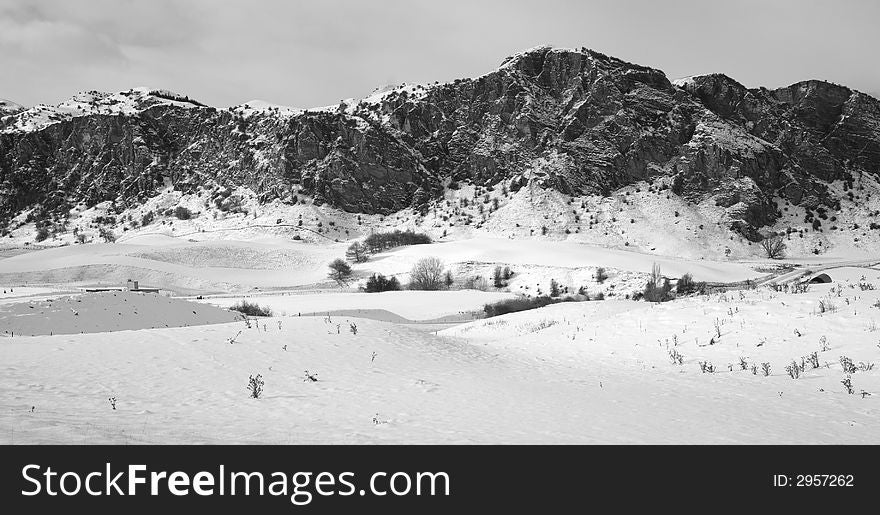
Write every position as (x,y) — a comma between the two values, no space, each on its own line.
(574,120)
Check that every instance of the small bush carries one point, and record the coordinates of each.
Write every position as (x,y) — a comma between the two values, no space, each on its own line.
(148,218)
(847,365)
(42,233)
(255,386)
(601,276)
(687,285)
(251,309)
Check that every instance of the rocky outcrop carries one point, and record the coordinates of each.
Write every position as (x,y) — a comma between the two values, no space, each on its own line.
(574,120)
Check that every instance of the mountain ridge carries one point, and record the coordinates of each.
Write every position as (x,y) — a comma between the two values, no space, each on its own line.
(577,121)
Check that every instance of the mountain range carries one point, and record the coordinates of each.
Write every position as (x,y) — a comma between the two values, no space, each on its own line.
(571,120)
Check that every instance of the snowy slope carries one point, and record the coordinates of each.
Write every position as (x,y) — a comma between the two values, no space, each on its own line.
(87,103)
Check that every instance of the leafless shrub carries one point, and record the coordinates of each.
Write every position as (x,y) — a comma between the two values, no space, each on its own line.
(765,367)
(676,357)
(255,386)
(847,365)
(826,306)
(847,383)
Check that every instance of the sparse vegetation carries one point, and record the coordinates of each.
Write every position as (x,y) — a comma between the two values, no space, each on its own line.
(251,309)
(255,386)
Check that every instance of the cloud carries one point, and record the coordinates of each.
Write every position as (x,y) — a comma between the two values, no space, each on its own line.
(307,53)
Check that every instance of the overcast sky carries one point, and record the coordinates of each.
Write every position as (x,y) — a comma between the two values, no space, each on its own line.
(315,53)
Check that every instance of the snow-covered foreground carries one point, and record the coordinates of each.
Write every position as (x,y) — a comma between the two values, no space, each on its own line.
(596,372)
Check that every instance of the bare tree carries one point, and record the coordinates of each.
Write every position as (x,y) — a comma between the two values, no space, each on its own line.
(357,252)
(427,274)
(774,246)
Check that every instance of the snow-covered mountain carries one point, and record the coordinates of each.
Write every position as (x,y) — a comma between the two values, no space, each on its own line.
(7,106)
(573,121)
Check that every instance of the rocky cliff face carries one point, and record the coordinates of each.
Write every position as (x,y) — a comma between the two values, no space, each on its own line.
(573,120)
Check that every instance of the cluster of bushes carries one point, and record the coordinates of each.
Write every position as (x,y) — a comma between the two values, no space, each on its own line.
(378,282)
(107,235)
(686,285)
(522,304)
(427,274)
(659,288)
(251,309)
(182,213)
(380,241)
(501,276)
